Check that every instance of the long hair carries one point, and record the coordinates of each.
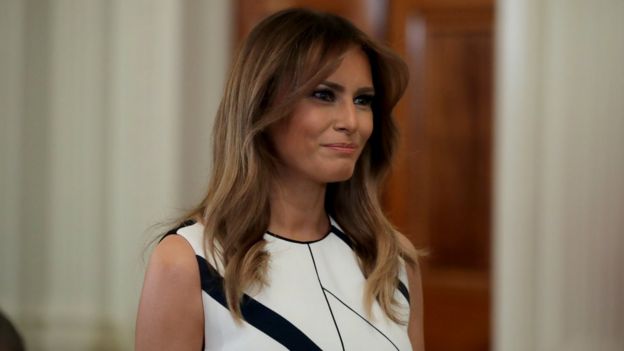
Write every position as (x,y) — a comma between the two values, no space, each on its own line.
(287,55)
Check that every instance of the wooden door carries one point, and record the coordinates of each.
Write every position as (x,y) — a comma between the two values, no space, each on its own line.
(440,188)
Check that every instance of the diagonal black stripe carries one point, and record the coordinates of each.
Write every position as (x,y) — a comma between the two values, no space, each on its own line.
(403,289)
(255,313)
(344,237)
(362,317)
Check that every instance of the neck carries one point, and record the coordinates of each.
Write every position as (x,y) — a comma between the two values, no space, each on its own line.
(298,209)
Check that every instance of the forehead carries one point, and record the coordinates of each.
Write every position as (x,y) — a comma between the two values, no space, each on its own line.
(354,68)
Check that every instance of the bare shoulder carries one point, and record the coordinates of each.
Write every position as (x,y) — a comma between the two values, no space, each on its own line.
(170,314)
(174,257)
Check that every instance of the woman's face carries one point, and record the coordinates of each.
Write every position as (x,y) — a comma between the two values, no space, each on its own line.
(323,138)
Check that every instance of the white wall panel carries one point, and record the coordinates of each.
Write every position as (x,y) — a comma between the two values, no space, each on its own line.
(11,88)
(559,222)
(106,113)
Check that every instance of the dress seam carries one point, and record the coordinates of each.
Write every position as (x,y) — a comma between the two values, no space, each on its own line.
(331,312)
(362,317)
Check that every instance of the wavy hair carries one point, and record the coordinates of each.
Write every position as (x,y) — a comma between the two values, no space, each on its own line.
(287,55)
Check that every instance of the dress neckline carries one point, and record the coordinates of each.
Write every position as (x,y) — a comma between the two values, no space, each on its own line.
(301,241)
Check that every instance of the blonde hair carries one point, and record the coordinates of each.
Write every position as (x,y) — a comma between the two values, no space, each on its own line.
(287,55)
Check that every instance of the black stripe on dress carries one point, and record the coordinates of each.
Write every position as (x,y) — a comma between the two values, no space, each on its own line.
(403,289)
(258,315)
(342,236)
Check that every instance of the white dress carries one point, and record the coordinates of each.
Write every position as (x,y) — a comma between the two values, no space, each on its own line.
(313,301)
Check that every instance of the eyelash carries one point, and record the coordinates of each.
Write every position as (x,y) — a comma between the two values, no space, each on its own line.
(327,95)
(367,100)
(324,95)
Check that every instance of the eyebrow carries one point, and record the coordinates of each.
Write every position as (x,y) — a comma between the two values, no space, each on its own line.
(339,88)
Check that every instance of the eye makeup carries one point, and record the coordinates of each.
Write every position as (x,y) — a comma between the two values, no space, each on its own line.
(328,91)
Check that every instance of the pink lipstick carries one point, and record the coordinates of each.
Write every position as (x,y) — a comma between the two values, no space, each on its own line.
(346,148)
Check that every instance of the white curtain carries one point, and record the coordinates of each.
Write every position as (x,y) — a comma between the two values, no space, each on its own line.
(106,111)
(559,221)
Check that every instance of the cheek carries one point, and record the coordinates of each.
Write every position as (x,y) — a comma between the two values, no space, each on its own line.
(279,138)
(291,141)
(366,128)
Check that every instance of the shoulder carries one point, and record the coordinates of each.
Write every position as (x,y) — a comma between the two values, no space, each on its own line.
(172,277)
(174,258)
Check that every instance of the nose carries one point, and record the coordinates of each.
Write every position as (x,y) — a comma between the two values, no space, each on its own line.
(346,119)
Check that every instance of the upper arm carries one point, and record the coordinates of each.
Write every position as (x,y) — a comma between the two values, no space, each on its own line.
(414,280)
(170,315)
(415,324)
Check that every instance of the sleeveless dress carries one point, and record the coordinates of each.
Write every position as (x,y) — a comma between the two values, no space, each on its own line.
(313,300)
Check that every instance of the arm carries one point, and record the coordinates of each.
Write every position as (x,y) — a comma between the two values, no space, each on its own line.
(415,325)
(171,315)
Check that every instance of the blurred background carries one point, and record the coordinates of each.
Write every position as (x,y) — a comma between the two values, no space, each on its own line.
(510,172)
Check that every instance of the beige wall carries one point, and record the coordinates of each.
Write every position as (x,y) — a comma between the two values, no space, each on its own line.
(559,221)
(106,108)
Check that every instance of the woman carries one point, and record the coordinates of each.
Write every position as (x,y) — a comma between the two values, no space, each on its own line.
(290,244)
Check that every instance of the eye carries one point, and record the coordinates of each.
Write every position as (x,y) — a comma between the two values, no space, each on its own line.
(364,100)
(324,95)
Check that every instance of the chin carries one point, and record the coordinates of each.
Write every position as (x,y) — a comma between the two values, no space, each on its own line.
(339,175)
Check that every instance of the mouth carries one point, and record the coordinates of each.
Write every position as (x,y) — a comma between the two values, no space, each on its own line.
(346,148)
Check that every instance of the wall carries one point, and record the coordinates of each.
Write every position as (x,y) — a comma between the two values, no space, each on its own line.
(559,223)
(106,110)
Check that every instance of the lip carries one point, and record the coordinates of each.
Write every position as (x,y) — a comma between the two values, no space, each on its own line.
(347,148)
